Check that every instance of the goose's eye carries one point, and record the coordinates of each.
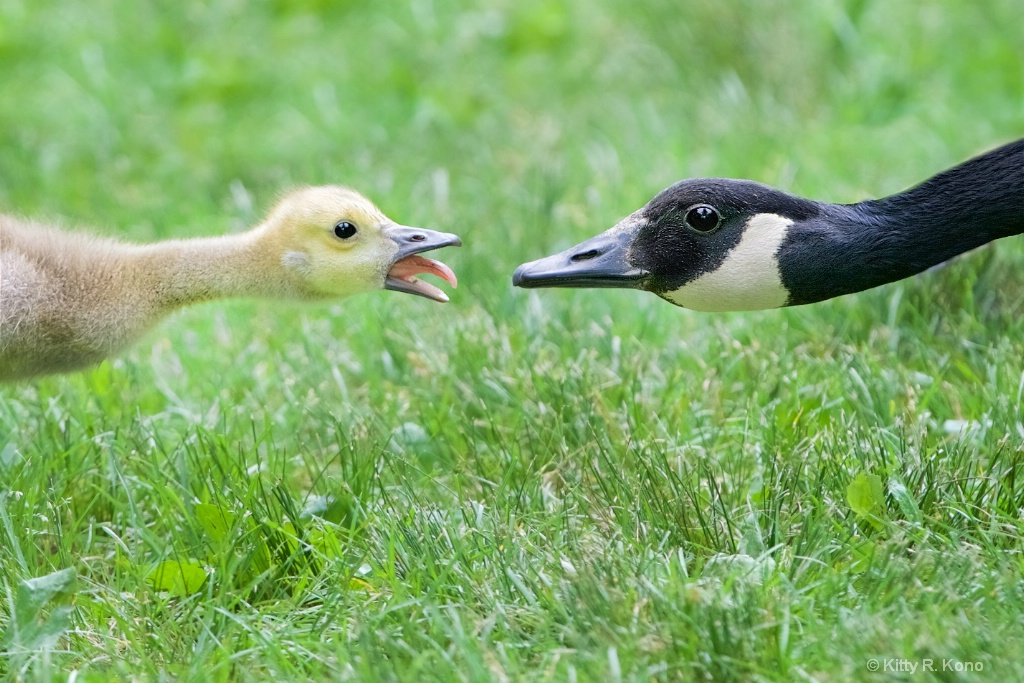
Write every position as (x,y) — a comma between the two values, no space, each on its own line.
(344,230)
(703,218)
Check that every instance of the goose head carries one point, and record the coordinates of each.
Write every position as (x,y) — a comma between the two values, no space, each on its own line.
(708,244)
(333,242)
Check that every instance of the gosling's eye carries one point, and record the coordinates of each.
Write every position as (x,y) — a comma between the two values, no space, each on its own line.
(703,218)
(344,230)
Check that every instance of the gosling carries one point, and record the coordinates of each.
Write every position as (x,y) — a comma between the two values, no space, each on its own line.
(69,300)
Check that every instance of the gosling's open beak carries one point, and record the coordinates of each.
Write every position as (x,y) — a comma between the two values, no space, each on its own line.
(599,262)
(407,264)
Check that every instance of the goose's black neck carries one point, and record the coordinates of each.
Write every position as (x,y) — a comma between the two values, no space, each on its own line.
(983,196)
(849,248)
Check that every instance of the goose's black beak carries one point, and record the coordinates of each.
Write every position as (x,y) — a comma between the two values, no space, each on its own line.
(407,262)
(599,262)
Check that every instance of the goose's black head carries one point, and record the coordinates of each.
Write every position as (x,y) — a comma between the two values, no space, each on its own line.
(706,244)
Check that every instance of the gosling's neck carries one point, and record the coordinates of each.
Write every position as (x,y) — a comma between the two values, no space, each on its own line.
(185,272)
(850,248)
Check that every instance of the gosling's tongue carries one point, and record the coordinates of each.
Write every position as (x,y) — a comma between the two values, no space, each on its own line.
(416,264)
(403,272)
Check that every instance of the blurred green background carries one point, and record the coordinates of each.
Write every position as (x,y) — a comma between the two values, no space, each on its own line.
(531,484)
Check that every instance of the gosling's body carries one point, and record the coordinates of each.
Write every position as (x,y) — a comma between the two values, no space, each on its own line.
(69,300)
(718,244)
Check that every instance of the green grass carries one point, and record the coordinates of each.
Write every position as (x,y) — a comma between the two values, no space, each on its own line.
(573,485)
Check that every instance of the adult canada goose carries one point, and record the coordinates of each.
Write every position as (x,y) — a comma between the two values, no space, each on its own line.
(734,245)
(68,300)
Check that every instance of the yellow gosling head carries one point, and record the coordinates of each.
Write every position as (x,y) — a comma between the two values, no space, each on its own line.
(335,242)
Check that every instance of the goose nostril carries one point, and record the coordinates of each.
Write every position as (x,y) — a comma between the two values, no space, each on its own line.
(585,256)
(418,238)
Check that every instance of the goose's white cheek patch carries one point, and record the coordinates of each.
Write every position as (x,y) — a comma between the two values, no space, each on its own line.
(748,279)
